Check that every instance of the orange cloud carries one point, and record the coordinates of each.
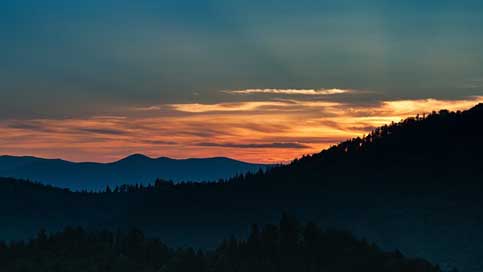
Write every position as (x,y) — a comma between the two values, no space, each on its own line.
(226,107)
(256,131)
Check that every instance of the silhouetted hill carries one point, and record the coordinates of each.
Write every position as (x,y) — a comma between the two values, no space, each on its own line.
(421,150)
(414,185)
(286,247)
(130,170)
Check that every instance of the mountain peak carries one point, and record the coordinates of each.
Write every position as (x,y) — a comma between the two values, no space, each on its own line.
(136,157)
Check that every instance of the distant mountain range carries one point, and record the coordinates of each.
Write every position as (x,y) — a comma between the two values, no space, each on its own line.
(134,169)
(416,185)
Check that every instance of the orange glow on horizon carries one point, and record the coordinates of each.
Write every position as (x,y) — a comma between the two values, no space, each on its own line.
(273,131)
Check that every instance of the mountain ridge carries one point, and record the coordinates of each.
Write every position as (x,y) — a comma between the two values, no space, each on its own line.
(133,169)
(134,156)
(416,185)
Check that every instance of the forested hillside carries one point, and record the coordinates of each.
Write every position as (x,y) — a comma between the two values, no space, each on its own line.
(288,246)
(414,185)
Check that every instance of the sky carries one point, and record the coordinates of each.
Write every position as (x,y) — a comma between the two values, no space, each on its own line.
(260,81)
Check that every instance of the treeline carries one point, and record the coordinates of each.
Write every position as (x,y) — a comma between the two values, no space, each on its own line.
(417,145)
(426,136)
(449,142)
(289,246)
(412,182)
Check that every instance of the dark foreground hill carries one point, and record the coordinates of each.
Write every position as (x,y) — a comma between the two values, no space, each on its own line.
(415,185)
(285,247)
(135,169)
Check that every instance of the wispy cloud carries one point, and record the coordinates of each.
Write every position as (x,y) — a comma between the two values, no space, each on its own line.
(475,83)
(259,131)
(316,92)
(227,107)
(148,108)
(263,145)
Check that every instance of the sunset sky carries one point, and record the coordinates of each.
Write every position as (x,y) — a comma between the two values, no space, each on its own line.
(260,81)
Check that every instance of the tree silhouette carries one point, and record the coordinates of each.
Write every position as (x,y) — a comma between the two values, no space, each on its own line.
(429,163)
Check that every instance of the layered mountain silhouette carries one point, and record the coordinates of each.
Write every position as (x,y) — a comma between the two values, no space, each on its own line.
(135,169)
(416,185)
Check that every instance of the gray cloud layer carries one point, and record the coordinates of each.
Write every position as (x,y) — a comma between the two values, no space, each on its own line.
(93,57)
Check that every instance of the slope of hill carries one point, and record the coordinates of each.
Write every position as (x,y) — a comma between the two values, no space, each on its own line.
(415,185)
(135,169)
